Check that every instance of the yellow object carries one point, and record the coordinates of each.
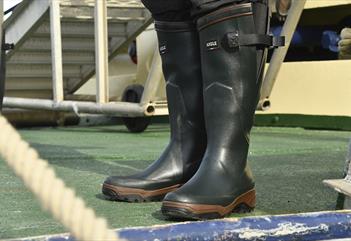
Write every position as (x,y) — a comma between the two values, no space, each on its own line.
(313,88)
(325,3)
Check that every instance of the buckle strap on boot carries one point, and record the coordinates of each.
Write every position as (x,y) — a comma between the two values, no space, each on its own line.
(235,40)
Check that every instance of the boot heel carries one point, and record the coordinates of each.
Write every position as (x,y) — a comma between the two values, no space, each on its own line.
(246,202)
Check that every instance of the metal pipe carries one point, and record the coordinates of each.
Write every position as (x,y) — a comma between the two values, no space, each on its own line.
(113,108)
(280,53)
(101,51)
(264,104)
(153,79)
(56,50)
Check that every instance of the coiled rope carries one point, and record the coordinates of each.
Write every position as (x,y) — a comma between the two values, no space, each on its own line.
(52,192)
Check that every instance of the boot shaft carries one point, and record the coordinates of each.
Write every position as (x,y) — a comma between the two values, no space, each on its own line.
(180,54)
(232,72)
(179,49)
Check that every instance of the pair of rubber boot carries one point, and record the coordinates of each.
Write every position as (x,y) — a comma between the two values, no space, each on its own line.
(213,71)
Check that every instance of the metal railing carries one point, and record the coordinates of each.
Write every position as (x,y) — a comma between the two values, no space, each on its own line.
(279,54)
(146,107)
(102,104)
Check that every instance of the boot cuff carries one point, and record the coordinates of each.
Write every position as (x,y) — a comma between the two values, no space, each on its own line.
(161,26)
(225,13)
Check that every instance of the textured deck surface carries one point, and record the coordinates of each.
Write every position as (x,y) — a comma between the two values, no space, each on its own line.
(289,165)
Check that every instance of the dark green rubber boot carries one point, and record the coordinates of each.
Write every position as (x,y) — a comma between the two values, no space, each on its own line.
(180,53)
(233,42)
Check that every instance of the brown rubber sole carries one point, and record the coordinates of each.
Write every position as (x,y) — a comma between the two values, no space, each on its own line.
(117,193)
(244,203)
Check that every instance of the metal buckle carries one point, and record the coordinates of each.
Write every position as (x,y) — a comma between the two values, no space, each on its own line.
(233,39)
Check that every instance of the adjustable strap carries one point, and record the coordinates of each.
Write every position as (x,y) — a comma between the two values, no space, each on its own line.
(235,40)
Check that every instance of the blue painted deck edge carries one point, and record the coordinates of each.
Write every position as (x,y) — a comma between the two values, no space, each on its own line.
(303,226)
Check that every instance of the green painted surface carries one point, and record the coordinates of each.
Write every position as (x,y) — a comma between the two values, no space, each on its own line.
(321,122)
(306,121)
(289,165)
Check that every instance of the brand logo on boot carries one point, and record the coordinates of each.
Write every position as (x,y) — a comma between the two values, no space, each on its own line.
(212,45)
(163,49)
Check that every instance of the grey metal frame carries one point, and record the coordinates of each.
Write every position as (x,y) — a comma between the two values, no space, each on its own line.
(56,51)
(111,108)
(153,79)
(146,105)
(279,54)
(101,51)
(102,105)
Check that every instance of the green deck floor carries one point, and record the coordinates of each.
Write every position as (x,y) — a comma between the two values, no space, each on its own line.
(289,165)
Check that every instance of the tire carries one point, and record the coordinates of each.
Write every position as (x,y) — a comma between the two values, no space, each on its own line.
(132,51)
(133,94)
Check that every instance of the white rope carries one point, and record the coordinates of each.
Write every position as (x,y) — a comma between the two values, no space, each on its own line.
(52,192)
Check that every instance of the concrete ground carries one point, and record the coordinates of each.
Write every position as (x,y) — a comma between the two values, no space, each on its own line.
(289,165)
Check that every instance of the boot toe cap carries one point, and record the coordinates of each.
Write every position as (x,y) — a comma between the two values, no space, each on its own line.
(139,183)
(177,197)
(125,181)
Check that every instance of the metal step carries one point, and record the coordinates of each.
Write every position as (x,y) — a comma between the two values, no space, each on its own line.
(29,29)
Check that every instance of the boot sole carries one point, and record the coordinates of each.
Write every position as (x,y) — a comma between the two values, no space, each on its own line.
(117,193)
(242,204)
